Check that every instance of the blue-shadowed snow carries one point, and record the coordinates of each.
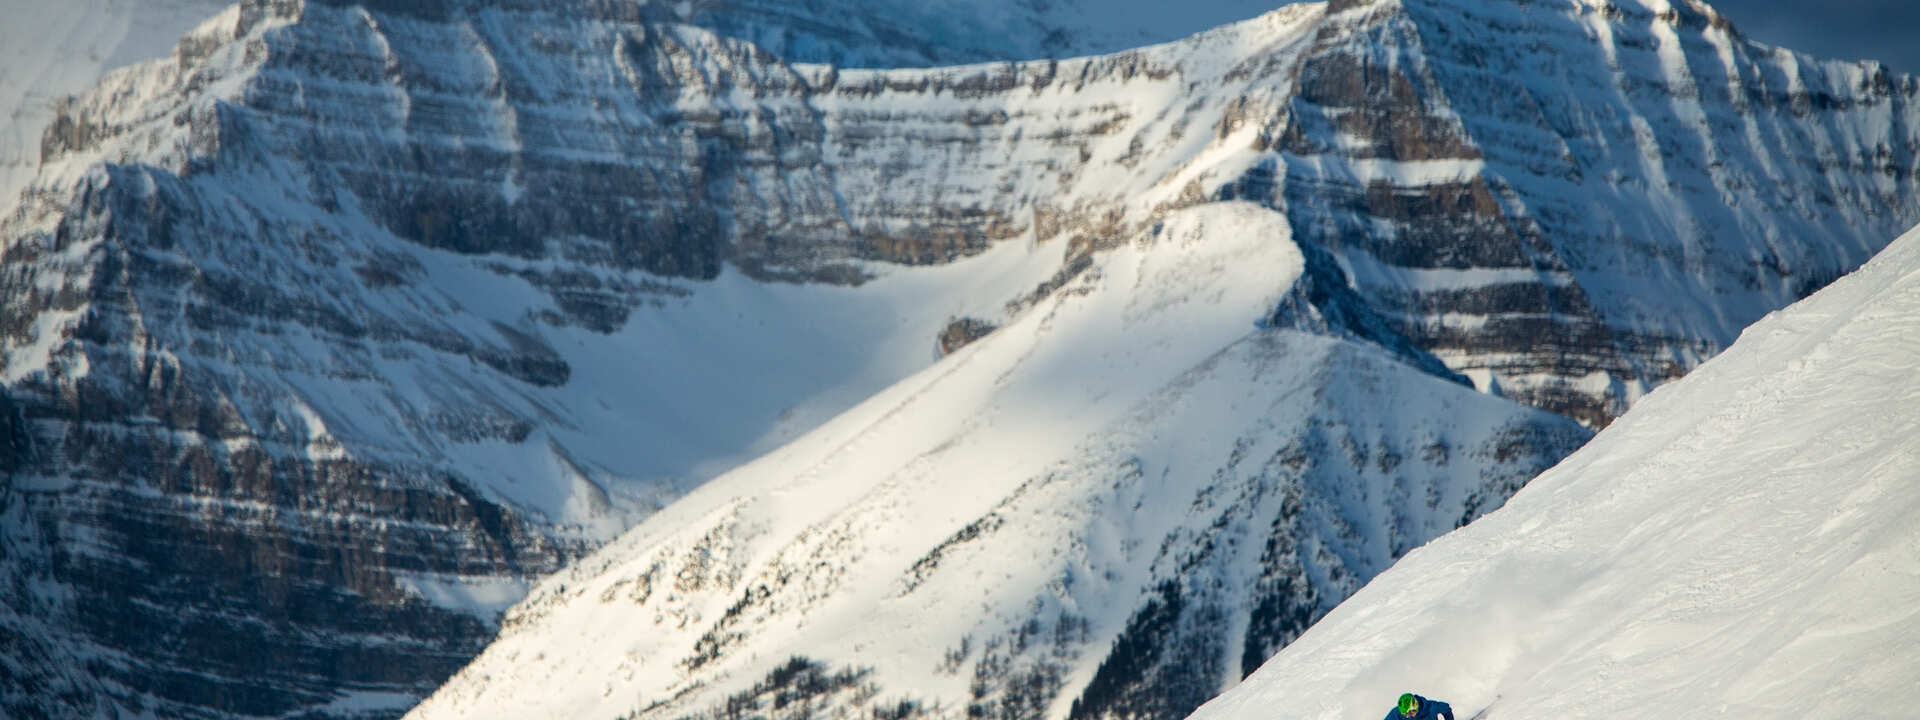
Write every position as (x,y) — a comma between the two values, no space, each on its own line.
(1741,544)
(49,50)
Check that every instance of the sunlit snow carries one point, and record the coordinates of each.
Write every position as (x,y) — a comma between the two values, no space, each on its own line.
(1741,544)
(1091,434)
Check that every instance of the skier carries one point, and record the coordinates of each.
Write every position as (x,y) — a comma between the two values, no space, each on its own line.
(1415,707)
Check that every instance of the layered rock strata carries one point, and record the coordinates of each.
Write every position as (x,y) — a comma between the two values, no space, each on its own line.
(323,337)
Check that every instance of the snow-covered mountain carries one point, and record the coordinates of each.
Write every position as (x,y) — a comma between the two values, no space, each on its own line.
(1142,486)
(1740,544)
(323,337)
(49,50)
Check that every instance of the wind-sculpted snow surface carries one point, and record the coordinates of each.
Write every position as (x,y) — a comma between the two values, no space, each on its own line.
(1740,544)
(1112,503)
(324,336)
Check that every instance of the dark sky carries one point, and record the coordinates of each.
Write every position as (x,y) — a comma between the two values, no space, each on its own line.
(1884,30)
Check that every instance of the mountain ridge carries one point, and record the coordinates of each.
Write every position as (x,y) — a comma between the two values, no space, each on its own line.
(1033,443)
(1714,552)
(376,318)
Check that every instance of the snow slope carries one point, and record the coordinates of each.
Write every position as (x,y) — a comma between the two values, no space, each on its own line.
(1741,544)
(49,50)
(349,319)
(1144,438)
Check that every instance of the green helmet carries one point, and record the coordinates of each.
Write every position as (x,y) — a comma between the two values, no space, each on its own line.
(1409,704)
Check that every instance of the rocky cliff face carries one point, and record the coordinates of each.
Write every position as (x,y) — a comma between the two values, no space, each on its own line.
(324,336)
(1575,202)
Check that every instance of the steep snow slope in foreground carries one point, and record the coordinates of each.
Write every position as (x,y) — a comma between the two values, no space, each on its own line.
(1741,544)
(1145,452)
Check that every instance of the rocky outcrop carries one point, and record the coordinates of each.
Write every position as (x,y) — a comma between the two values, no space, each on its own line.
(961,333)
(326,335)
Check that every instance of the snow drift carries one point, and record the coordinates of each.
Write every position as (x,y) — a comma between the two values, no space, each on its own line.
(1741,544)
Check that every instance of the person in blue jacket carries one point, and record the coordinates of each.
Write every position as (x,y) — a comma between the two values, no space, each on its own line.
(1414,707)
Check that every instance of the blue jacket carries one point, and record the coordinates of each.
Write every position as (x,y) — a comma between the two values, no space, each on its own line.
(1429,710)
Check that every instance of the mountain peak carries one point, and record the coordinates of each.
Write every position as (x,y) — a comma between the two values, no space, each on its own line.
(352,321)
(1134,455)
